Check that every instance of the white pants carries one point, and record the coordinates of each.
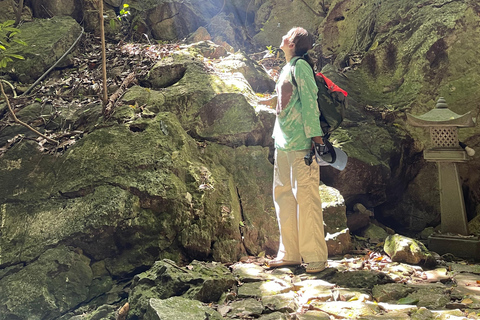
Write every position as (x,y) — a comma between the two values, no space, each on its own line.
(299,208)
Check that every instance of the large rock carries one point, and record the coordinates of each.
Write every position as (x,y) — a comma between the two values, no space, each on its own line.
(209,105)
(154,195)
(171,20)
(205,282)
(253,73)
(367,175)
(404,249)
(337,233)
(253,176)
(177,308)
(431,60)
(8,11)
(47,40)
(60,279)
(55,8)
(143,189)
(225,28)
(419,206)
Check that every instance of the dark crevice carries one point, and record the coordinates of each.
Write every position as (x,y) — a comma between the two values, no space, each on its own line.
(138,127)
(243,223)
(82,192)
(232,141)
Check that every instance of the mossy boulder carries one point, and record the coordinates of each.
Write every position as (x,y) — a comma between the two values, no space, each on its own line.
(178,308)
(334,210)
(113,182)
(407,250)
(181,84)
(133,193)
(256,76)
(368,172)
(47,40)
(205,282)
(253,176)
(44,289)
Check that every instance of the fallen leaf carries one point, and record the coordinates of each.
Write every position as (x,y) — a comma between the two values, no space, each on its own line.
(467,301)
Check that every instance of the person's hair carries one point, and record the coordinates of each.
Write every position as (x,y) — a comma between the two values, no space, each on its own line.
(303,41)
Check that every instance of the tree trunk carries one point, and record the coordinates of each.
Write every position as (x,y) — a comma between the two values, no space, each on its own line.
(104,55)
(19,13)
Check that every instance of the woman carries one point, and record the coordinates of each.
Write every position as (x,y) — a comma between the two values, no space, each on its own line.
(295,187)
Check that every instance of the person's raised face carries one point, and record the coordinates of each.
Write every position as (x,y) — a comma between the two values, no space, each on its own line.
(287,44)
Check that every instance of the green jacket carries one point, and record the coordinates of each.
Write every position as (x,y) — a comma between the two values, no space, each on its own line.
(297,111)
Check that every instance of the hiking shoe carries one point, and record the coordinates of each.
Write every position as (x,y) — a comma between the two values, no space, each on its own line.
(282,263)
(314,267)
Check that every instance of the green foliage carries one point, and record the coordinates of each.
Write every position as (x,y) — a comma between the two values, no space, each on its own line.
(113,25)
(7,36)
(124,12)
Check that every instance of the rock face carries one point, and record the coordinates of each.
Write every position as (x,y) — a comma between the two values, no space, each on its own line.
(47,41)
(141,190)
(57,281)
(403,56)
(391,66)
(183,171)
(48,9)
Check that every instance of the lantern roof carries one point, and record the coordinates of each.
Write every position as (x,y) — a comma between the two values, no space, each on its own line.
(441,116)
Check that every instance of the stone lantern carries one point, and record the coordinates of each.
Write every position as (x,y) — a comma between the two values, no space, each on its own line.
(446,151)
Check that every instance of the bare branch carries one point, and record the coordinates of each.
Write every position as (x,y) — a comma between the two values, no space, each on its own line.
(21,122)
(114,97)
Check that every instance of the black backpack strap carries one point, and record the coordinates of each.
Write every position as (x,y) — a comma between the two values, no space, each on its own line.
(292,71)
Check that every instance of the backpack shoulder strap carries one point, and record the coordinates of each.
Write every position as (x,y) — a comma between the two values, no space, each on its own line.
(292,70)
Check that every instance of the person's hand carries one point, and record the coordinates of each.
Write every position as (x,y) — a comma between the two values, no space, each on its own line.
(321,150)
(270,102)
(318,139)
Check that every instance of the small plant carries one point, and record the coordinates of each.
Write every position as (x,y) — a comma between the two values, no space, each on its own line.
(7,36)
(124,12)
(271,50)
(113,25)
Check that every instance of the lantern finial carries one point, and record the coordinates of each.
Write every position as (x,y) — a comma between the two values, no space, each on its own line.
(441,103)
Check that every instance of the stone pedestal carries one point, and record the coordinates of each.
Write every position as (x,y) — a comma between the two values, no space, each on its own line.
(452,204)
(462,247)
